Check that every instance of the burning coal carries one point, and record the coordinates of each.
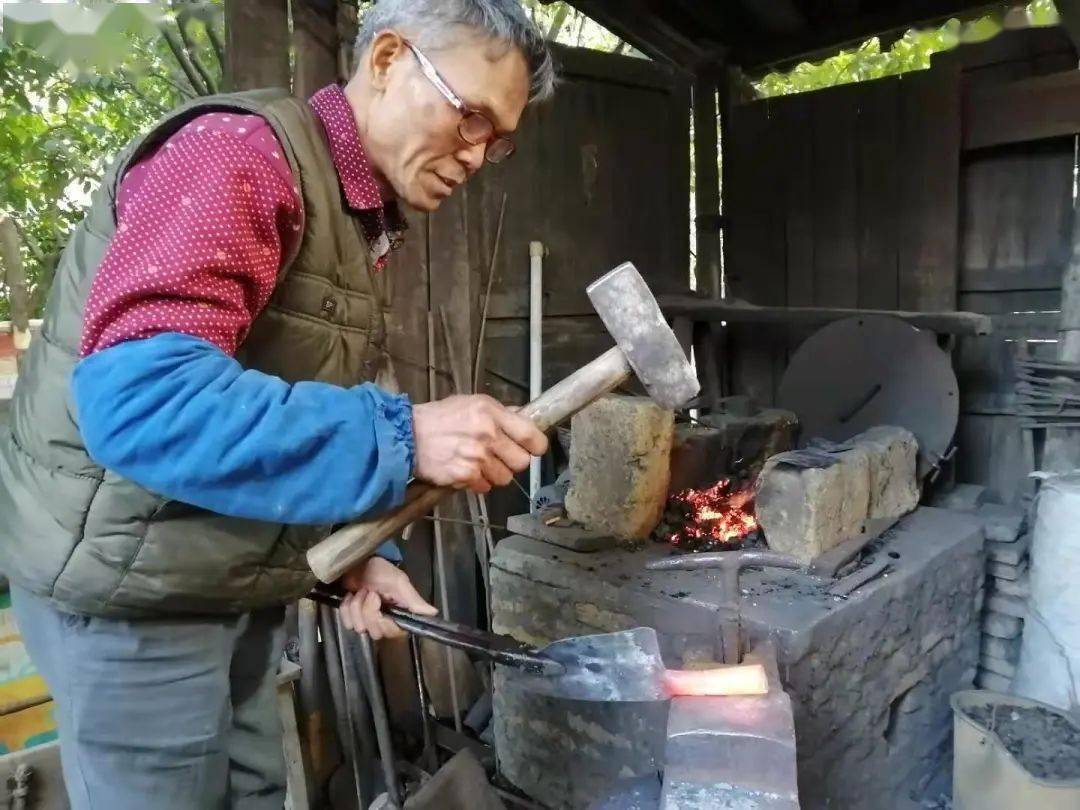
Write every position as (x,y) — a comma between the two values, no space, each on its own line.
(720,517)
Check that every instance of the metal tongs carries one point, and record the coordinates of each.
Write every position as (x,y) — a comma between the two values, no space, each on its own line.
(499,649)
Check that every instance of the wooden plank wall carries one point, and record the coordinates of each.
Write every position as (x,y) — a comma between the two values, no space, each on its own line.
(865,195)
(601,176)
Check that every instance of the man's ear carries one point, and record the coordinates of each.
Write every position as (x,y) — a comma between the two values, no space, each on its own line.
(385,49)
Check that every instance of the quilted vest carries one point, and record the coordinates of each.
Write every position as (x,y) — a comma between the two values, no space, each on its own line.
(92,541)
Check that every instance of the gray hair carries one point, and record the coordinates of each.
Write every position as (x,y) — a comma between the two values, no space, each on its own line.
(429,21)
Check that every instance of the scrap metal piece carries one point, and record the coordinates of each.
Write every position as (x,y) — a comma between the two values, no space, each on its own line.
(872,370)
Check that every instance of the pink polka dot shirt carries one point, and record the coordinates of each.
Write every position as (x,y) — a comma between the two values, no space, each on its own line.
(205,220)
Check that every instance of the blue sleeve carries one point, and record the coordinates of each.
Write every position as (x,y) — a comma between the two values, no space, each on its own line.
(180,417)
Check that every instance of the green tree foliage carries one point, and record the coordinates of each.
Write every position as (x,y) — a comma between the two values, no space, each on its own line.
(910,52)
(66,108)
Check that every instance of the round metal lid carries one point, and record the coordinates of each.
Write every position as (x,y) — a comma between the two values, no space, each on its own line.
(864,371)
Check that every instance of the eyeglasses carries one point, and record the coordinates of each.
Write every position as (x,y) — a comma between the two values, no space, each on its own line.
(474,127)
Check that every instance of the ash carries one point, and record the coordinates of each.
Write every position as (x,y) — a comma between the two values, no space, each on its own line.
(1043,742)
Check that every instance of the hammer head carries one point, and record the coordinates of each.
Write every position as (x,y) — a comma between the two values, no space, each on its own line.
(629,311)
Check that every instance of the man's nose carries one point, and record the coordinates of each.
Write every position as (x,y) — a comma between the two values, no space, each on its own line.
(472,156)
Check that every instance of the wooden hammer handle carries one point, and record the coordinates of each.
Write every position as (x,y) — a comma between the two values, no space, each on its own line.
(349,546)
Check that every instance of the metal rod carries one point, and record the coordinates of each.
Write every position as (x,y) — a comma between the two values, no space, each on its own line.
(381,718)
(477,357)
(430,755)
(444,599)
(338,640)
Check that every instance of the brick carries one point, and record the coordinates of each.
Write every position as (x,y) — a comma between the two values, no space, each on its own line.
(1012,587)
(1002,524)
(998,666)
(992,681)
(805,512)
(1008,553)
(1001,648)
(1000,625)
(704,453)
(962,497)
(620,466)
(1009,605)
(1001,570)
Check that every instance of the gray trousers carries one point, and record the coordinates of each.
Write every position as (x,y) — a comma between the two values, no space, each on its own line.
(170,714)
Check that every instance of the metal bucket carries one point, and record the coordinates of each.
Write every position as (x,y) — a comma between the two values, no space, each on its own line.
(986,776)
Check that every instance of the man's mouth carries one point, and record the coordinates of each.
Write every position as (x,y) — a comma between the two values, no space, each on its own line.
(448,184)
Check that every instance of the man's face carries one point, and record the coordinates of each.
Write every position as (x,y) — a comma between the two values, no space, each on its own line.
(411,132)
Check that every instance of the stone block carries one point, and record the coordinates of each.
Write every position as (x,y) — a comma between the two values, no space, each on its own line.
(1001,570)
(992,681)
(702,454)
(1006,649)
(805,512)
(893,452)
(962,497)
(1000,625)
(620,466)
(1009,605)
(1012,587)
(1009,553)
(999,666)
(1003,524)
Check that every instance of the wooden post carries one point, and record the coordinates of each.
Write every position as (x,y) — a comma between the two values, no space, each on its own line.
(15,278)
(706,185)
(257,44)
(1061,452)
(316,45)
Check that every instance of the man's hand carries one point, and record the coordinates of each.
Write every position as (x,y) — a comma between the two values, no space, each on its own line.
(473,442)
(370,584)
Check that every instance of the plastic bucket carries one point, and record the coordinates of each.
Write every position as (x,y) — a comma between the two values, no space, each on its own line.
(986,776)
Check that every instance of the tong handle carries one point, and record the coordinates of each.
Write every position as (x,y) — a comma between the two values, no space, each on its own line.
(494,647)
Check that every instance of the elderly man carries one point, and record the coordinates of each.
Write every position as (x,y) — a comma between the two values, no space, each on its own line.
(195,414)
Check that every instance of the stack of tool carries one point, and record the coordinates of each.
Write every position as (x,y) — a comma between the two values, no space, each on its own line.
(1047,393)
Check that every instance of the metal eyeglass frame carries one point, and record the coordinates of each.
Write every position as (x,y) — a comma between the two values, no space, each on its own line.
(428,69)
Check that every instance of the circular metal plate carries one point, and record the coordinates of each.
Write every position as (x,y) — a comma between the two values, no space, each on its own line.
(873,370)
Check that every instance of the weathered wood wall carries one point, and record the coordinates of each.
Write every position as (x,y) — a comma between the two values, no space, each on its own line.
(601,176)
(886,194)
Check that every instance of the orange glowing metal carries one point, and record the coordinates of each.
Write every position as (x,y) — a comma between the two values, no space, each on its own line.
(747,679)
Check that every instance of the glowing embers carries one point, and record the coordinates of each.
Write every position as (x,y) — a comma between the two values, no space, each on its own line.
(714,519)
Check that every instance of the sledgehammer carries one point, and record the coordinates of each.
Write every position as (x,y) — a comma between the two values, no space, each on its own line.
(644,345)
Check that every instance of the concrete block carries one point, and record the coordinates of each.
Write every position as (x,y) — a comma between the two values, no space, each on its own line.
(1008,553)
(1002,570)
(620,466)
(1009,605)
(1006,649)
(1003,524)
(893,454)
(962,497)
(999,666)
(992,681)
(1001,626)
(1012,587)
(805,512)
(702,454)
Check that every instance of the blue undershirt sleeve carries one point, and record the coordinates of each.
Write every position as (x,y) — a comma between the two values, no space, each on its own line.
(180,417)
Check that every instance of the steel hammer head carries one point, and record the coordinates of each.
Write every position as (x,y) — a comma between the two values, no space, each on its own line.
(629,311)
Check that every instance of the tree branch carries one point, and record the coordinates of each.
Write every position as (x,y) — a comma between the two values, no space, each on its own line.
(189,48)
(182,59)
(557,23)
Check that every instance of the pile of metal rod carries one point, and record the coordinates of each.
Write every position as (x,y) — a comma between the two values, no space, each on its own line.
(1047,393)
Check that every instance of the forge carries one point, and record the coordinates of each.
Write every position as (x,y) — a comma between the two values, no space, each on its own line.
(869,674)
(811,553)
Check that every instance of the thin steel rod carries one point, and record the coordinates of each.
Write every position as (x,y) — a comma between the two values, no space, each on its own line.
(478,357)
(444,599)
(381,718)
